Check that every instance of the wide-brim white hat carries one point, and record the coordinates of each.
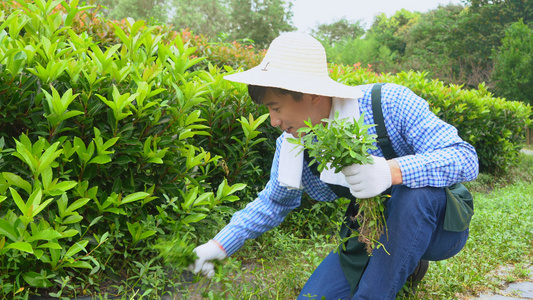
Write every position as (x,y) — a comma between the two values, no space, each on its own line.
(296,62)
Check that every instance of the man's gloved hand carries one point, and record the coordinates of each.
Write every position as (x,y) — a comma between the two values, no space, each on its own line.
(206,253)
(367,181)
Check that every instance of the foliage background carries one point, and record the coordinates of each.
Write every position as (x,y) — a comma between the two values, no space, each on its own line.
(227,20)
(458,44)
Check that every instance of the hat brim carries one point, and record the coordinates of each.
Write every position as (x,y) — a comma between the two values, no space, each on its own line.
(294,81)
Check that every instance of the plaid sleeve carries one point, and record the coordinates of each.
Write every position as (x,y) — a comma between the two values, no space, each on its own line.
(431,152)
(267,211)
(271,207)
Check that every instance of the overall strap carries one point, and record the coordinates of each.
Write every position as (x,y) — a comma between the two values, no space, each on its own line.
(381,130)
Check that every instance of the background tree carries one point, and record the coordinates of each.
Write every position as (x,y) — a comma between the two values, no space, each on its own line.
(460,40)
(260,20)
(513,71)
(206,17)
(381,46)
(342,41)
(149,10)
(480,32)
(390,31)
(338,31)
(431,43)
(511,10)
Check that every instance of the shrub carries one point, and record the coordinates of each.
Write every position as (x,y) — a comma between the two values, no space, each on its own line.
(100,153)
(244,157)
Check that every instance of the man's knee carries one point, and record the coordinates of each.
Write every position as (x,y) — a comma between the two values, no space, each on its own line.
(427,200)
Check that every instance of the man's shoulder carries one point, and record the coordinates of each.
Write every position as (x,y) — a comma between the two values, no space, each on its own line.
(391,93)
(386,89)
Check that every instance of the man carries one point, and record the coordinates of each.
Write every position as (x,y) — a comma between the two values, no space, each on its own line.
(293,82)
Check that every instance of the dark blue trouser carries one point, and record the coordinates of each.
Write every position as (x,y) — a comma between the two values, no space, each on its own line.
(415,231)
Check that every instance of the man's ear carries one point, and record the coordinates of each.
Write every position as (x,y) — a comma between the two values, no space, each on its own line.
(315,99)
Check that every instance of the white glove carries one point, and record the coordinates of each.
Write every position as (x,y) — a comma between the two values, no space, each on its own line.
(367,181)
(206,253)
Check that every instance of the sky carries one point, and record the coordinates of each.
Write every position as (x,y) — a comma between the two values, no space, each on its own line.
(309,13)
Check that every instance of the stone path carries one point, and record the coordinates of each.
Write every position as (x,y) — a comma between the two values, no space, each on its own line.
(530,152)
(516,290)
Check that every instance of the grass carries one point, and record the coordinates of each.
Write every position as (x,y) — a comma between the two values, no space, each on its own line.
(529,146)
(501,233)
(277,273)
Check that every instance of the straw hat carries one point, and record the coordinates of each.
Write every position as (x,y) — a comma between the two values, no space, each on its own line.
(296,62)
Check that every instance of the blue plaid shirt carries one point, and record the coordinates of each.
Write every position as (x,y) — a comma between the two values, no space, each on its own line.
(430,154)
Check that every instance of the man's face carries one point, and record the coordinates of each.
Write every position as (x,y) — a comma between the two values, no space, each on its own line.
(289,115)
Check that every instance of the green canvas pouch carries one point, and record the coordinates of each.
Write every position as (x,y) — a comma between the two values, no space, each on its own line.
(459,208)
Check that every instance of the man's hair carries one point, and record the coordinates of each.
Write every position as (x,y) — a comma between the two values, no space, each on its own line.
(257,93)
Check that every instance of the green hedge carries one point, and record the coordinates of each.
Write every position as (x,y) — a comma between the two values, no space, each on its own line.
(102,148)
(494,126)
